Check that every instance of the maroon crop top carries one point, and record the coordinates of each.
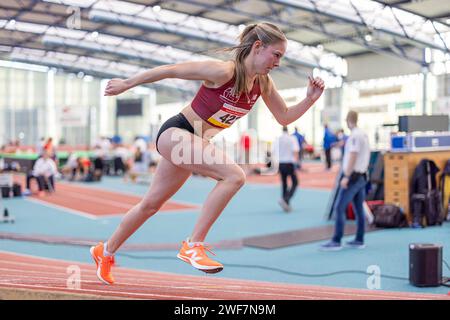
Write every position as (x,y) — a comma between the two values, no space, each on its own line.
(220,108)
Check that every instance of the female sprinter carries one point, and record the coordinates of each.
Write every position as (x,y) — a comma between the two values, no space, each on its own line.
(228,92)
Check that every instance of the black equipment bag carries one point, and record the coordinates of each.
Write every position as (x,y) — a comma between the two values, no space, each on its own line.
(426,200)
(389,216)
(433,208)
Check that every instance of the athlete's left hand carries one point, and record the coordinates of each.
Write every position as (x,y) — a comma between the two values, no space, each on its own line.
(315,88)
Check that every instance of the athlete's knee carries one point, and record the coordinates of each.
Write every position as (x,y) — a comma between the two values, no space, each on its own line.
(236,177)
(150,207)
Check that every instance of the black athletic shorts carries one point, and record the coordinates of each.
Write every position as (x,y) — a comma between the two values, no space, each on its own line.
(177,121)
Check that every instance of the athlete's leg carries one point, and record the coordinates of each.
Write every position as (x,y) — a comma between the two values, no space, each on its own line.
(230,177)
(166,181)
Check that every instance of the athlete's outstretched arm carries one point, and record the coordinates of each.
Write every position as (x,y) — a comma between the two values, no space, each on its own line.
(209,70)
(286,115)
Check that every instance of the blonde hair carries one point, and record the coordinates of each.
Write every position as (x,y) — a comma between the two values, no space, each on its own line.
(268,34)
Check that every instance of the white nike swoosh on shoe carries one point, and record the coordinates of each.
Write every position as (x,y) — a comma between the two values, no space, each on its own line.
(196,265)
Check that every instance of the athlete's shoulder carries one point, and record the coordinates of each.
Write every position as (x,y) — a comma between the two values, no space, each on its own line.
(225,69)
(221,72)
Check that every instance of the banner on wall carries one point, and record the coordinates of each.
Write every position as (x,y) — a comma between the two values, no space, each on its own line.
(408,105)
(70,116)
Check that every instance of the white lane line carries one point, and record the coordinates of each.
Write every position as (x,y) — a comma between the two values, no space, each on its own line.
(129,193)
(62,208)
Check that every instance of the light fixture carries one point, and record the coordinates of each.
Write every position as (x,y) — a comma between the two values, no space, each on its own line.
(88,78)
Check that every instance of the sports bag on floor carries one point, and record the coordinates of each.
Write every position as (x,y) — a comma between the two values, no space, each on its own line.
(389,216)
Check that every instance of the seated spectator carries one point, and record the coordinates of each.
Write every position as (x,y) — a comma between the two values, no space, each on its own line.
(140,165)
(83,167)
(71,166)
(44,171)
(96,168)
(121,159)
(270,168)
(152,159)
(13,166)
(139,143)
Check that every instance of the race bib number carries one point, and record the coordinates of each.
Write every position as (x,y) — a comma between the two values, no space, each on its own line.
(227,115)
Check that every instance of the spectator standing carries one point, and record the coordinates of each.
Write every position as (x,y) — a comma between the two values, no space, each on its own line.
(286,150)
(352,185)
(328,140)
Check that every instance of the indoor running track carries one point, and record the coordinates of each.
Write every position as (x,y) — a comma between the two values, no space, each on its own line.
(44,276)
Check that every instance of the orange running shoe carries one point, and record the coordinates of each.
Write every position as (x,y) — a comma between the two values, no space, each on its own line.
(195,255)
(104,264)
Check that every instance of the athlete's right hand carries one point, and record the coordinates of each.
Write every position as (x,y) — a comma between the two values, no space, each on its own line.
(116,86)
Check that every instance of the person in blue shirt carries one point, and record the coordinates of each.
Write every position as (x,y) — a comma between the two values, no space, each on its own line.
(341,138)
(328,141)
(301,142)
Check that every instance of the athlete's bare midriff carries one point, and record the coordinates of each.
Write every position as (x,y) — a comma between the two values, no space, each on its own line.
(208,131)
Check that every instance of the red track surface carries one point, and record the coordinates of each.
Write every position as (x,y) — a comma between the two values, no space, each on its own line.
(33,273)
(99,202)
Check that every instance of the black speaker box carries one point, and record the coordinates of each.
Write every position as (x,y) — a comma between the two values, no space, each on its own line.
(425,264)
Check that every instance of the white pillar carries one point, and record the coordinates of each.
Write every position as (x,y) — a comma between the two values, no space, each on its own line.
(50,114)
(11,106)
(103,121)
(424,90)
(86,113)
(31,104)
